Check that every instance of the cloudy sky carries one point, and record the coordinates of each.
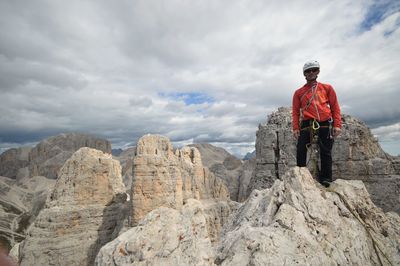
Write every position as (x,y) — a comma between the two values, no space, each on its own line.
(195,71)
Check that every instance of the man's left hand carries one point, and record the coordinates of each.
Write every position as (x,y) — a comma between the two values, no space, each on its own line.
(336,131)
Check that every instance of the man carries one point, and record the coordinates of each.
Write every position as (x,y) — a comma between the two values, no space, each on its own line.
(315,105)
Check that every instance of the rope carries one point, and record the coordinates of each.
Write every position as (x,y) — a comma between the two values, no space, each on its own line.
(374,242)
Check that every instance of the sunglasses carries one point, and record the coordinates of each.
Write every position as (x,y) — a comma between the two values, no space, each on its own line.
(311,70)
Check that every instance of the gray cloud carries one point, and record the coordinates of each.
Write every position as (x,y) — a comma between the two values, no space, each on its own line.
(110,69)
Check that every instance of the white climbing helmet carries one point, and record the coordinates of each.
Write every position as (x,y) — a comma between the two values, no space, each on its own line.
(310,64)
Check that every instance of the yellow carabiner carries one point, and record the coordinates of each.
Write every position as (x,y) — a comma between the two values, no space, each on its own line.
(315,125)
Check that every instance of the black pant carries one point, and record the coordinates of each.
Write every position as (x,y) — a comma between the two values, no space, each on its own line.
(325,143)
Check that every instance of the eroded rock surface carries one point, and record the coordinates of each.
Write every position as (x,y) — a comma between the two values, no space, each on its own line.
(233,172)
(84,211)
(48,156)
(164,177)
(356,155)
(295,222)
(20,203)
(13,161)
(298,222)
(165,236)
(246,173)
(126,160)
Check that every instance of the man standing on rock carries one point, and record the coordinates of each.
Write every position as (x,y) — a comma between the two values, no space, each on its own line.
(316,114)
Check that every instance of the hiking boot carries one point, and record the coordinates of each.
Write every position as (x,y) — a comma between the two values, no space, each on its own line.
(325,183)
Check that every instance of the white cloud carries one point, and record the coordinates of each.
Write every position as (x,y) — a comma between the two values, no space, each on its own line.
(388,133)
(107,68)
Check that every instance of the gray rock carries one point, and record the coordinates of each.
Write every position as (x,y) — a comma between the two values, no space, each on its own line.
(125,158)
(47,157)
(246,173)
(356,155)
(298,222)
(12,160)
(20,203)
(85,210)
(223,165)
(164,177)
(165,236)
(250,155)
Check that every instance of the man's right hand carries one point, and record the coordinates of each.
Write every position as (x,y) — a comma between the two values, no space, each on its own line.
(296,133)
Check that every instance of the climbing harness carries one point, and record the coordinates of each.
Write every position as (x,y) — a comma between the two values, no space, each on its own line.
(315,142)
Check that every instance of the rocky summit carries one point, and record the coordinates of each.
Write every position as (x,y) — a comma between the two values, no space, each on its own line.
(84,211)
(356,155)
(298,222)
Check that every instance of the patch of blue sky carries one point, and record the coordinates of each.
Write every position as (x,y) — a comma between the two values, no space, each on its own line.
(189,98)
(378,11)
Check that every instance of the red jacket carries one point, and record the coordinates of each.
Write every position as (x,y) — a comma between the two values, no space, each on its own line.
(318,103)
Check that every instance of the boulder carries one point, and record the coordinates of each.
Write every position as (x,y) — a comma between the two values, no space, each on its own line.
(165,236)
(356,155)
(164,177)
(85,210)
(298,222)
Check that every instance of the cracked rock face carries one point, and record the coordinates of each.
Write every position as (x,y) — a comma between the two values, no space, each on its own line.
(356,155)
(165,236)
(13,161)
(84,211)
(223,165)
(125,158)
(297,222)
(164,177)
(20,203)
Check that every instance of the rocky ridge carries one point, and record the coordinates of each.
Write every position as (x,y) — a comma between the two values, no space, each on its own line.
(181,214)
(85,210)
(20,203)
(356,155)
(48,156)
(296,221)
